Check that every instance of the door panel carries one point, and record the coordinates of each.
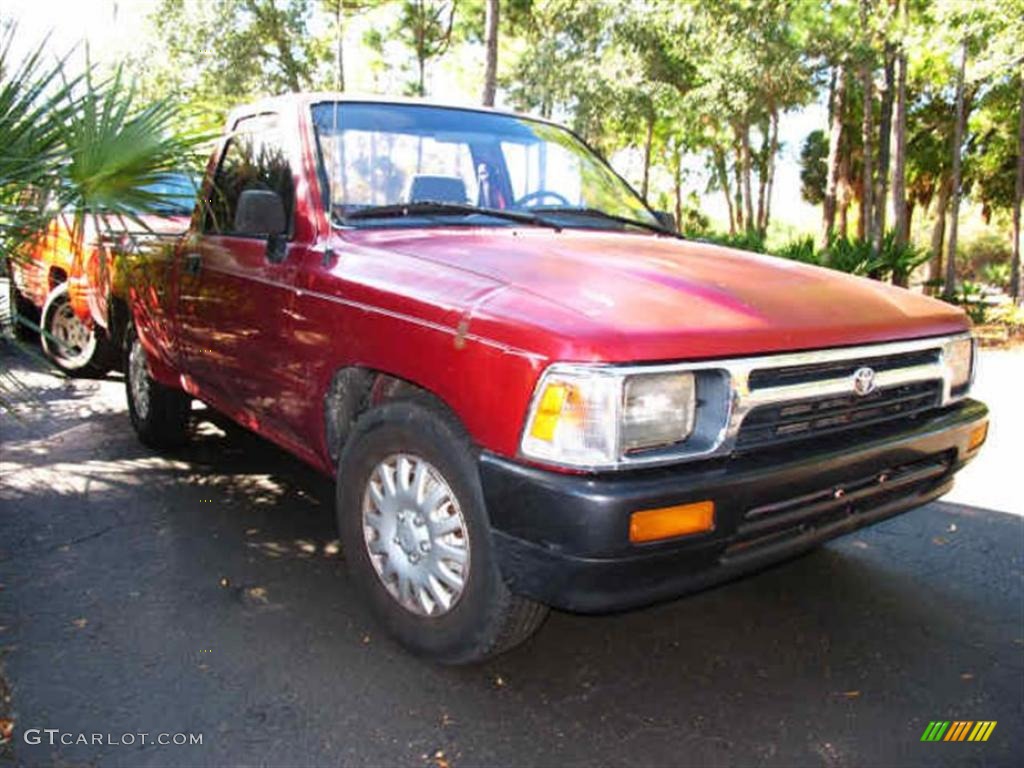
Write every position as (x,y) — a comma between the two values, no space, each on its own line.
(234,298)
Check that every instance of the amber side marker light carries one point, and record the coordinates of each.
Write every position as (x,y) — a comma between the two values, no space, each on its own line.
(669,522)
(978,436)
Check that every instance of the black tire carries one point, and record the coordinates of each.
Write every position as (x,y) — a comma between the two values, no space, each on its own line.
(487,619)
(19,306)
(70,344)
(163,421)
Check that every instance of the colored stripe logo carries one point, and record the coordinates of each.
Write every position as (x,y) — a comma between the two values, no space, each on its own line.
(958,730)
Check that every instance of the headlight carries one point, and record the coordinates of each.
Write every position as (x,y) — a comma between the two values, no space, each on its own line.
(958,356)
(594,417)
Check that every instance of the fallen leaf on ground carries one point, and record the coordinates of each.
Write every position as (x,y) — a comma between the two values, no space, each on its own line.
(6,729)
(80,623)
(225,582)
(966,676)
(851,694)
(940,541)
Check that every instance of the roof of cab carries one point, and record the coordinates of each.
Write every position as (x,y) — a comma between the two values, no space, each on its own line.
(293,101)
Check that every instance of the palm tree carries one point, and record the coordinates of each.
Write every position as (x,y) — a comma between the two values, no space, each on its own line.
(80,145)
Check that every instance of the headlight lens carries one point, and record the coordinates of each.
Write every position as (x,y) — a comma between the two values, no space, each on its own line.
(592,418)
(959,358)
(657,410)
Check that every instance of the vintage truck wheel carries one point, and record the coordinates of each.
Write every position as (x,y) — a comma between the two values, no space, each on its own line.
(416,536)
(159,414)
(74,347)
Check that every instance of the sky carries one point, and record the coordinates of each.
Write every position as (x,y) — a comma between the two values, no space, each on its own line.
(110,28)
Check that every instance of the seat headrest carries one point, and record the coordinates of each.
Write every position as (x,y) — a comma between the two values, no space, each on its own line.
(442,189)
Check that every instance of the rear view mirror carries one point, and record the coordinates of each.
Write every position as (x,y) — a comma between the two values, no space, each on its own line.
(260,213)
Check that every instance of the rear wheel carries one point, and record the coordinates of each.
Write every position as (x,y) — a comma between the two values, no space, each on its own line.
(73,346)
(159,414)
(417,539)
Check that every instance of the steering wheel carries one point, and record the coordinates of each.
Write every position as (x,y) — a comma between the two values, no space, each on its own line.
(540,194)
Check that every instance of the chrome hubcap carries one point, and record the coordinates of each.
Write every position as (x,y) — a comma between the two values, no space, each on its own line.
(138,379)
(70,335)
(416,535)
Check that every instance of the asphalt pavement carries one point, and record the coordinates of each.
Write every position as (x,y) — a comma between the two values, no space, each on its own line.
(203,593)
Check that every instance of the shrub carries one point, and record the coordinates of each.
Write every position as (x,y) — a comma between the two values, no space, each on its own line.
(971,297)
(802,249)
(997,274)
(744,241)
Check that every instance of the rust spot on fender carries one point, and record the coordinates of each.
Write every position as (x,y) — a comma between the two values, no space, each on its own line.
(460,333)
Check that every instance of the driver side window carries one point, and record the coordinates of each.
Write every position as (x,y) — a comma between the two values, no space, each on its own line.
(252,159)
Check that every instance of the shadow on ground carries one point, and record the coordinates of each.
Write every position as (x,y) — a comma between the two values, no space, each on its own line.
(203,592)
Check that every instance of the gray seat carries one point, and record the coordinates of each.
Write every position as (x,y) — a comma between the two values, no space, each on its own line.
(438,189)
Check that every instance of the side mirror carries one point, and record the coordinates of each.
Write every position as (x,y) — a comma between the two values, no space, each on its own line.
(666,219)
(260,213)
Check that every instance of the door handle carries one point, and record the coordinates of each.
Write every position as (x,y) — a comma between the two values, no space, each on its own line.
(192,263)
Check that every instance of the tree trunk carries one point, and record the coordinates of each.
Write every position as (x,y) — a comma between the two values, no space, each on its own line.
(773,151)
(738,170)
(648,144)
(867,174)
(340,48)
(939,231)
(867,133)
(677,183)
(723,180)
(761,161)
(844,220)
(958,140)
(748,197)
(421,89)
(835,142)
(884,137)
(491,18)
(1017,284)
(901,208)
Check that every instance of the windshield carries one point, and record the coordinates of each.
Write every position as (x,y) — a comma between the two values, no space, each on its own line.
(175,192)
(391,154)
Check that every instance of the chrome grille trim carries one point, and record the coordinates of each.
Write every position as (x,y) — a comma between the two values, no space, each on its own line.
(743,399)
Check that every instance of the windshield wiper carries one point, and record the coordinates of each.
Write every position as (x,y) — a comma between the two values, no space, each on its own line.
(597,213)
(428,207)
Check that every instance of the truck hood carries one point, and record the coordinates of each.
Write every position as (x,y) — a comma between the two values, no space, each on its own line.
(642,297)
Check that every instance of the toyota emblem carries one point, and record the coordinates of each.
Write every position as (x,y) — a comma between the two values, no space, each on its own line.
(864,381)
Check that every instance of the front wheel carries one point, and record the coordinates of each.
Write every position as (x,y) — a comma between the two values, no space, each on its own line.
(73,346)
(417,539)
(159,414)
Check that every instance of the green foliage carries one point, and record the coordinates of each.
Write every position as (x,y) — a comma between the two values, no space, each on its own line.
(997,274)
(970,296)
(813,167)
(215,54)
(802,249)
(81,146)
(748,240)
(1009,315)
(33,105)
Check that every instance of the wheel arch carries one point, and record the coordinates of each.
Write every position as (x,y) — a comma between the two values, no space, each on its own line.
(355,389)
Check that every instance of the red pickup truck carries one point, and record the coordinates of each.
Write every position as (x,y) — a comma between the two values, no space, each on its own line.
(530,390)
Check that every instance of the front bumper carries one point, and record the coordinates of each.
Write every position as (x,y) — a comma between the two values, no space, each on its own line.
(564,539)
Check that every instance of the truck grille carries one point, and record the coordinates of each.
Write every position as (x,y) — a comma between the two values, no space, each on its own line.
(784,422)
(771,524)
(766,378)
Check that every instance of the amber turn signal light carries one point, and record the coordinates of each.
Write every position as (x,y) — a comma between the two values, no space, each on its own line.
(669,522)
(978,436)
